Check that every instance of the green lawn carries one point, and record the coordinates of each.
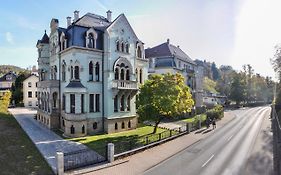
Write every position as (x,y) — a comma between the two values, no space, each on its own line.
(193,119)
(18,155)
(128,138)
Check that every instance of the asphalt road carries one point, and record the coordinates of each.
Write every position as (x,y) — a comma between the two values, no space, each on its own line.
(243,146)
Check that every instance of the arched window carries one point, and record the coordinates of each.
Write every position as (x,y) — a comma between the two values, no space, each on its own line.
(116,103)
(116,74)
(118,46)
(76,72)
(95,125)
(129,124)
(137,75)
(97,71)
(122,104)
(71,72)
(72,130)
(116,126)
(123,125)
(140,75)
(91,41)
(127,48)
(63,72)
(127,74)
(122,74)
(91,71)
(122,47)
(139,52)
(63,102)
(63,124)
(128,103)
(83,129)
(55,97)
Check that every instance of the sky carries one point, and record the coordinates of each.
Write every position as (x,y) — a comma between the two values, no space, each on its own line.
(227,32)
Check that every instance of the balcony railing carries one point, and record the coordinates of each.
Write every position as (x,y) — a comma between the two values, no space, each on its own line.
(124,84)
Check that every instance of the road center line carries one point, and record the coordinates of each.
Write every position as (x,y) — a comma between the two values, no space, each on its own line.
(230,138)
(208,161)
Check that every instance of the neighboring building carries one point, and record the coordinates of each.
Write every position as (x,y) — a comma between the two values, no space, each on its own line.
(207,70)
(89,74)
(166,58)
(210,100)
(6,82)
(30,91)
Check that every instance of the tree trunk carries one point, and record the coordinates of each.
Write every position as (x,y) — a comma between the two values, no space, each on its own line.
(155,127)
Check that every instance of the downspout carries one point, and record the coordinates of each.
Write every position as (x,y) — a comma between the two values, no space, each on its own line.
(103,103)
(59,91)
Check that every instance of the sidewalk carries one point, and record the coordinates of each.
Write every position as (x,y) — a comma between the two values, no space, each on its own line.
(140,162)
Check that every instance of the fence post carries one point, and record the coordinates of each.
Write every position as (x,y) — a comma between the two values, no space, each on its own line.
(188,127)
(110,152)
(170,133)
(146,139)
(159,136)
(199,123)
(60,163)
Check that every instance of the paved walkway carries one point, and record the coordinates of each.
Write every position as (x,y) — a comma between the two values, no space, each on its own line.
(140,162)
(47,142)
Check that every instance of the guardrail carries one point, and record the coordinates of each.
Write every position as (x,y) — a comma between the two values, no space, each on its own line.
(276,128)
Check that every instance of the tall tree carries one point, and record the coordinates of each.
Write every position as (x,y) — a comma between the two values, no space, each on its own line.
(163,96)
(238,88)
(17,91)
(215,72)
(209,85)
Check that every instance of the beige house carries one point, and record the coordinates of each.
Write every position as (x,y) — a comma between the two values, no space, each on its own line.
(30,91)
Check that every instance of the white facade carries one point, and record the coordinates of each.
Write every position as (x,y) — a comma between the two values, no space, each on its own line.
(30,91)
(88,80)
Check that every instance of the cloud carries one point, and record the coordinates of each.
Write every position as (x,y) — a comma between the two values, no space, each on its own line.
(9,38)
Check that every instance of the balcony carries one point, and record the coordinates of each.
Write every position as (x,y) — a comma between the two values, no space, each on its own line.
(74,117)
(49,83)
(124,84)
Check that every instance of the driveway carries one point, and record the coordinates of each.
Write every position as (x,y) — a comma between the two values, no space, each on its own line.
(47,142)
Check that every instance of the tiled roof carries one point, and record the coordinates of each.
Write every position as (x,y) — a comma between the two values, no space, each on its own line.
(4,77)
(167,49)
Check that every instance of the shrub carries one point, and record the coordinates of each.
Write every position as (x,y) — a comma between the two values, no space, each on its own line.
(216,112)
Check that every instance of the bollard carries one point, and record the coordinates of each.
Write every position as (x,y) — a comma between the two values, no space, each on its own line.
(110,152)
(188,127)
(60,163)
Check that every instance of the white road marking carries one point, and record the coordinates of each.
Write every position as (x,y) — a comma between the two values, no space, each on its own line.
(230,138)
(208,161)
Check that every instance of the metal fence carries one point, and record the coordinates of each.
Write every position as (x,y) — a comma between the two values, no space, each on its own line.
(84,157)
(133,145)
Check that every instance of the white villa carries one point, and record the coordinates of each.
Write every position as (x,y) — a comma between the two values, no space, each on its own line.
(30,91)
(89,75)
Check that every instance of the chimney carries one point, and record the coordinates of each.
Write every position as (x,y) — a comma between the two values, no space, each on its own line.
(168,41)
(68,19)
(76,16)
(178,46)
(109,15)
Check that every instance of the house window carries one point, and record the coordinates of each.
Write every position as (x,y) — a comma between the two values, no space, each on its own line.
(36,84)
(29,94)
(122,47)
(127,74)
(179,64)
(122,104)
(36,103)
(91,71)
(82,103)
(83,129)
(139,52)
(29,84)
(55,72)
(91,104)
(95,125)
(128,103)
(137,75)
(116,126)
(72,103)
(140,75)
(76,72)
(63,102)
(122,74)
(91,39)
(118,46)
(129,124)
(63,72)
(116,103)
(36,94)
(127,48)
(71,72)
(116,74)
(123,125)
(30,103)
(97,102)
(63,124)
(97,71)
(55,97)
(72,130)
